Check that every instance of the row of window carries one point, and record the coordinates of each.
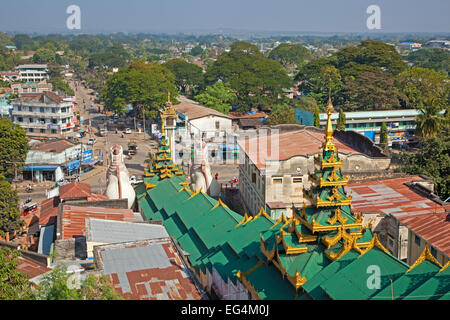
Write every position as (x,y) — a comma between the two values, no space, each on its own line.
(375,124)
(42,109)
(51,130)
(25,90)
(43,120)
(279,180)
(417,241)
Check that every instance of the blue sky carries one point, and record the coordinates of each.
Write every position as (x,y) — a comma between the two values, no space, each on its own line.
(47,16)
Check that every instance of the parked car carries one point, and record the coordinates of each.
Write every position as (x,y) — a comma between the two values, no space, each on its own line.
(127,131)
(103,132)
(92,141)
(132,148)
(134,180)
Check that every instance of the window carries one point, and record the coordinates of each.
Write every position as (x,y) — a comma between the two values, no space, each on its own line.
(253,177)
(378,124)
(53,131)
(16,90)
(19,108)
(64,120)
(53,110)
(33,90)
(31,120)
(391,242)
(42,130)
(277,180)
(417,240)
(30,129)
(20,119)
(297,179)
(54,121)
(41,109)
(30,109)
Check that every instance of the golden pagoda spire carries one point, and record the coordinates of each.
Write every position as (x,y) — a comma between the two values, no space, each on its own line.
(329,145)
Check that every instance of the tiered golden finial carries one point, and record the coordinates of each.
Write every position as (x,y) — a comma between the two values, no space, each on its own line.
(329,145)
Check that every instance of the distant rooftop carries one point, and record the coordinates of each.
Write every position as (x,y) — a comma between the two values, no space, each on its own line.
(32,66)
(193,110)
(57,146)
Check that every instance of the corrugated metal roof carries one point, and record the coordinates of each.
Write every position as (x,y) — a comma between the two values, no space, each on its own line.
(46,238)
(373,114)
(144,270)
(108,231)
(74,218)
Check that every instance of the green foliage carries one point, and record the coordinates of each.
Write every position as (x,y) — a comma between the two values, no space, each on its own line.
(257,80)
(383,136)
(423,87)
(61,86)
(305,103)
(4,84)
(187,75)
(143,85)
(431,58)
(430,121)
(44,55)
(59,285)
(196,51)
(13,147)
(341,120)
(218,97)
(113,57)
(14,285)
(432,160)
(281,114)
(317,118)
(9,208)
(290,55)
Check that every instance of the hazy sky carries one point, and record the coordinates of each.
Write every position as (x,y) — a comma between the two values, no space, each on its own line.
(47,16)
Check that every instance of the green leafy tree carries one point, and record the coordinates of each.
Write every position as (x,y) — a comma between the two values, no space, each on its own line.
(341,120)
(58,285)
(9,208)
(13,148)
(430,121)
(317,118)
(371,91)
(281,114)
(62,86)
(145,86)
(421,87)
(290,55)
(44,55)
(218,97)
(305,103)
(383,136)
(433,160)
(257,80)
(14,285)
(431,58)
(196,51)
(187,75)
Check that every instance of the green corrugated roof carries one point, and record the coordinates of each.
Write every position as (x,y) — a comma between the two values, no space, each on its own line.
(435,288)
(405,284)
(351,283)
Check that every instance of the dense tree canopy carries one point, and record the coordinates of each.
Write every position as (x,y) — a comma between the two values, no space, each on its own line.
(432,58)
(9,208)
(290,55)
(281,114)
(218,97)
(14,285)
(142,85)
(257,80)
(187,75)
(13,147)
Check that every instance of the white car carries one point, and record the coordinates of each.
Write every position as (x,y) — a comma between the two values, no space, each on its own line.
(127,131)
(92,141)
(134,180)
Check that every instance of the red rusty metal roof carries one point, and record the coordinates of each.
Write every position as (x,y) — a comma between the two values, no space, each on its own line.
(74,218)
(31,268)
(434,228)
(287,145)
(390,196)
(150,283)
(49,211)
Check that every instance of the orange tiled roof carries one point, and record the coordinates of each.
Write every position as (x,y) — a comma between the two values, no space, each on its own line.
(73,218)
(54,146)
(193,110)
(49,211)
(288,145)
(31,268)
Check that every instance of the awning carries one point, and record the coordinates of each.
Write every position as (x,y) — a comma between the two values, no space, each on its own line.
(40,167)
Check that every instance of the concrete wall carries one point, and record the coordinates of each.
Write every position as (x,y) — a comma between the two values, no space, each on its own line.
(208,125)
(414,250)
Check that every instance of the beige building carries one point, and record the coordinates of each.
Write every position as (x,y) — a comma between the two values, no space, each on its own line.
(31,87)
(274,164)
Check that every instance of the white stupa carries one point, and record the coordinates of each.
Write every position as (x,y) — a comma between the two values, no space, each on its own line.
(118,184)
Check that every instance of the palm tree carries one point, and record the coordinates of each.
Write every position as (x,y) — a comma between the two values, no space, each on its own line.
(150,159)
(430,121)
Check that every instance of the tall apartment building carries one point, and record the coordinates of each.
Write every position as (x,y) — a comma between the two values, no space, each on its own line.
(43,113)
(32,72)
(32,87)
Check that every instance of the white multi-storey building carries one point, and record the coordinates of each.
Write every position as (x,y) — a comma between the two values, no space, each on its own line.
(43,113)
(32,72)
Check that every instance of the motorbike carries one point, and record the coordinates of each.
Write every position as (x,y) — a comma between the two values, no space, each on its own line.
(29,189)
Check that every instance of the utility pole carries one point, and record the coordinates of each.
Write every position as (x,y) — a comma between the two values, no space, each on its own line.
(143,118)
(81,158)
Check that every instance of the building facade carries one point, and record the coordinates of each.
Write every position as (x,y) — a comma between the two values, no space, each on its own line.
(43,113)
(274,168)
(32,72)
(31,87)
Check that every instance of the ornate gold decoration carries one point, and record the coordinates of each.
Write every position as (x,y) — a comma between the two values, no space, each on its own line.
(328,144)
(219,203)
(337,217)
(373,243)
(149,185)
(445,266)
(269,254)
(243,278)
(425,255)
(195,193)
(261,213)
(282,218)
(296,280)
(244,220)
